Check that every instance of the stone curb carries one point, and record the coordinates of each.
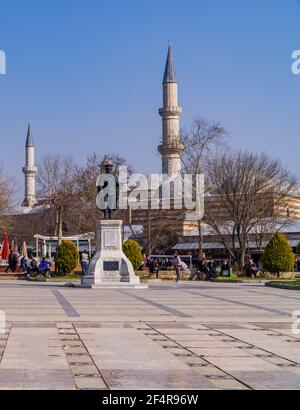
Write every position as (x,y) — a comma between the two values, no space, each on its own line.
(279,286)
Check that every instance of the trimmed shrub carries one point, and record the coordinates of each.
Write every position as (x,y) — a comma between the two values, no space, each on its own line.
(67,257)
(133,252)
(278,256)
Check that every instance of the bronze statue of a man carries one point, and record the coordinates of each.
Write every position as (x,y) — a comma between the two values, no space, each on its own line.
(107,191)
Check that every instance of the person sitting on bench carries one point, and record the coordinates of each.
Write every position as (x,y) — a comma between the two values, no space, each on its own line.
(45,267)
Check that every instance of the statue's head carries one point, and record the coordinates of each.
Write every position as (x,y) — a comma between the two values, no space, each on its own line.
(107,166)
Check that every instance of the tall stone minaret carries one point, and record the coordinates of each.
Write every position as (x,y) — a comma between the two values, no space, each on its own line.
(30,171)
(171,149)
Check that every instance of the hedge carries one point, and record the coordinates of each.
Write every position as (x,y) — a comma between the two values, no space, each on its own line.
(278,256)
(133,252)
(67,257)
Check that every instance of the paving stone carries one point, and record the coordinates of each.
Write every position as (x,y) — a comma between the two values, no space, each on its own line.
(261,353)
(72,343)
(85,358)
(229,385)
(33,325)
(83,369)
(163,326)
(90,384)
(156,379)
(74,350)
(69,337)
(170,346)
(279,380)
(36,379)
(211,371)
(220,352)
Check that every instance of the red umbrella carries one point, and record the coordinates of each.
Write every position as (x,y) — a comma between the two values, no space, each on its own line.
(5,247)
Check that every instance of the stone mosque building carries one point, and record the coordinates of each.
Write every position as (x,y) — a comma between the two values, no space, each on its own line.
(171,150)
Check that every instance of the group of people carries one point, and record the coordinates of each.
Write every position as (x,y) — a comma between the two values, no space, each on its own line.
(157,265)
(210,270)
(43,267)
(36,268)
(205,269)
(32,267)
(166,264)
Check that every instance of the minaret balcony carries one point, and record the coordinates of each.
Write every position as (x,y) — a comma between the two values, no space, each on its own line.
(170,111)
(174,148)
(29,170)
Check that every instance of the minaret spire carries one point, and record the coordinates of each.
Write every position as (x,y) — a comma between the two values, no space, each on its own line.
(29,140)
(171,148)
(30,171)
(170,73)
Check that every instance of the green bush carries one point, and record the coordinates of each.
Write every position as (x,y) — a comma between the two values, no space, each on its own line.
(278,256)
(133,252)
(67,257)
(298,248)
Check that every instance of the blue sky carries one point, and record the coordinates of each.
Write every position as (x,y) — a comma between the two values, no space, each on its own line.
(88,75)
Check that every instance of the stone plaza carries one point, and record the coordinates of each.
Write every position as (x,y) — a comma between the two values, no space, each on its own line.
(186,336)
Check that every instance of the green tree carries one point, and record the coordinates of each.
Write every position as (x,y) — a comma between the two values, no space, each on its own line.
(67,257)
(133,252)
(298,248)
(278,256)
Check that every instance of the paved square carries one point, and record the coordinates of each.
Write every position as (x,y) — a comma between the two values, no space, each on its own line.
(185,336)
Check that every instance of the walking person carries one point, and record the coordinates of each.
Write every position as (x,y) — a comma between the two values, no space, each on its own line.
(10,263)
(202,269)
(84,262)
(177,266)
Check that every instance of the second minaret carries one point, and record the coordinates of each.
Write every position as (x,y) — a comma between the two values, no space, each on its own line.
(171,148)
(30,171)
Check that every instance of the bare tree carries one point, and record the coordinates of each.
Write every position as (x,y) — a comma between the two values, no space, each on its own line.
(202,140)
(160,229)
(245,190)
(7,197)
(55,187)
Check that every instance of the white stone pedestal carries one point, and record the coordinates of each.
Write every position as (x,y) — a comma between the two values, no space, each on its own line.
(110,268)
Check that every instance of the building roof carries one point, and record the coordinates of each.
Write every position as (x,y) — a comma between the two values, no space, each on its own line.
(194,246)
(29,139)
(284,226)
(170,73)
(130,231)
(23,210)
